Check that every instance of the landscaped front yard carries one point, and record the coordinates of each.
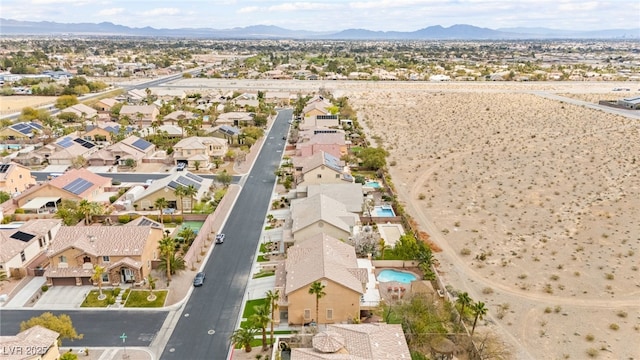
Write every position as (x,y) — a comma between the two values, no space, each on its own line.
(138,298)
(135,298)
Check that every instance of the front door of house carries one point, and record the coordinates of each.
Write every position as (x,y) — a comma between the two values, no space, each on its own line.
(127,275)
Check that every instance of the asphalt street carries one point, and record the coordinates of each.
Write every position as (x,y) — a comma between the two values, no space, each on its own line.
(132,177)
(210,315)
(100,328)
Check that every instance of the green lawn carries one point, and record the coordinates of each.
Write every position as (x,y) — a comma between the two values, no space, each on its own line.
(261,258)
(249,308)
(138,298)
(262,274)
(92,299)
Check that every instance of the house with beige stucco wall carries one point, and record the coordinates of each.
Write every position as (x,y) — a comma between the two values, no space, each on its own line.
(165,188)
(320,168)
(35,343)
(199,150)
(320,213)
(21,246)
(15,178)
(331,143)
(325,259)
(126,253)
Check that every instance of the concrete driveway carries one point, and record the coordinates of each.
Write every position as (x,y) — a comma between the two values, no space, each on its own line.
(63,297)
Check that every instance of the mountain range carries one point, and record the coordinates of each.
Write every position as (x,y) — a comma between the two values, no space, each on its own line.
(437,32)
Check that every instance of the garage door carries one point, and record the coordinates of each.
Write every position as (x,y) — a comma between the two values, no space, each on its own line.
(64,281)
(86,281)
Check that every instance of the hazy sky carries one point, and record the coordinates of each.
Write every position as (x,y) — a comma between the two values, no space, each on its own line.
(328,15)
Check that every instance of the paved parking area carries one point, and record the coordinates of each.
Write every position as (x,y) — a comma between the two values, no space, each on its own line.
(63,297)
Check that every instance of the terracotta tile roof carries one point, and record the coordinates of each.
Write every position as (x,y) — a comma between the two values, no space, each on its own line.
(362,342)
(126,261)
(37,337)
(101,240)
(69,272)
(73,174)
(321,257)
(350,194)
(310,210)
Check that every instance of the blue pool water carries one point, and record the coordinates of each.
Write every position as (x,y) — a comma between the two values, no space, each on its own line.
(383,211)
(398,276)
(372,184)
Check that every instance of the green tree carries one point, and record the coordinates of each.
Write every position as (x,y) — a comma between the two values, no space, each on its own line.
(151,282)
(225,178)
(175,261)
(129,162)
(188,235)
(3,276)
(272,299)
(65,101)
(190,191)
(98,271)
(463,300)
(180,193)
(4,196)
(68,356)
(161,204)
(479,311)
(61,324)
(373,158)
(261,319)
(243,336)
(79,162)
(317,289)
(89,208)
(167,247)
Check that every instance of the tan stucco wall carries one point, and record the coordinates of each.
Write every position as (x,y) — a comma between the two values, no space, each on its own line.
(169,195)
(316,228)
(7,132)
(45,191)
(344,302)
(18,179)
(328,176)
(31,251)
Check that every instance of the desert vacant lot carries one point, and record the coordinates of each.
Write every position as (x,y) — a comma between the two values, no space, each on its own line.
(14,104)
(535,201)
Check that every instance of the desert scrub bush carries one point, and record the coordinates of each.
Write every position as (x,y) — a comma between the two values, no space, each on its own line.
(590,337)
(609,276)
(592,352)
(547,310)
(548,288)
(554,277)
(557,309)
(422,196)
(614,327)
(465,252)
(622,314)
(487,291)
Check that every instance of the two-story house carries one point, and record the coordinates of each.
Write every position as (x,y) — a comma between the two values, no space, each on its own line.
(200,151)
(320,168)
(21,130)
(132,147)
(320,213)
(20,247)
(141,115)
(125,252)
(15,178)
(165,188)
(331,143)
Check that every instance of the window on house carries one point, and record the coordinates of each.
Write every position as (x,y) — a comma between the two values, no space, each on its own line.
(307,314)
(23,257)
(329,314)
(337,176)
(106,259)
(63,259)
(319,176)
(148,264)
(20,176)
(105,277)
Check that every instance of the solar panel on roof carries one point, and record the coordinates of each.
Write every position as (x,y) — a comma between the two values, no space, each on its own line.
(22,236)
(194,177)
(36,125)
(186,182)
(78,186)
(145,222)
(4,168)
(85,143)
(141,144)
(174,185)
(66,142)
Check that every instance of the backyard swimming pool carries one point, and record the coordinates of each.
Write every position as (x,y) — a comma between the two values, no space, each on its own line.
(372,184)
(388,275)
(383,211)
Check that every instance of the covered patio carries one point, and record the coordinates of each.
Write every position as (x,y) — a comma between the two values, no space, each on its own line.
(42,205)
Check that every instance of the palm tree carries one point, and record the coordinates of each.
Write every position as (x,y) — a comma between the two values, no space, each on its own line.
(180,192)
(175,261)
(463,300)
(3,276)
(167,248)
(88,208)
(139,116)
(188,235)
(479,310)
(98,271)
(161,204)
(272,299)
(243,336)
(317,289)
(191,192)
(152,286)
(261,319)
(383,246)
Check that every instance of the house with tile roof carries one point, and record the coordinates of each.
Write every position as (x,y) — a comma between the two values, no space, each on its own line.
(230,133)
(126,253)
(331,262)
(199,150)
(350,194)
(177,115)
(82,111)
(42,341)
(377,341)
(75,184)
(20,247)
(67,149)
(132,147)
(21,130)
(105,105)
(141,115)
(331,143)
(320,213)
(15,178)
(320,168)
(165,188)
(235,118)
